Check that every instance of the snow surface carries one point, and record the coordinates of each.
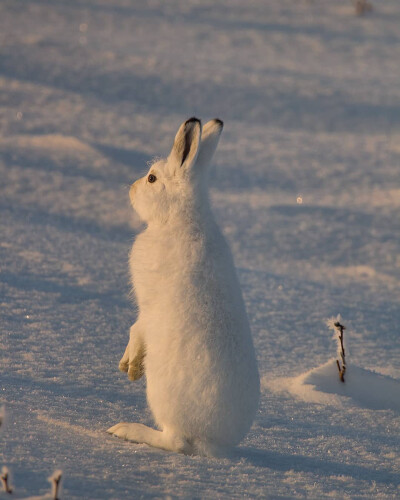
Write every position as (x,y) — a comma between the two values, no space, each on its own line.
(363,388)
(307,190)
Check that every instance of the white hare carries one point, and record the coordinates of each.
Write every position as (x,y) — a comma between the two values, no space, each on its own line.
(192,338)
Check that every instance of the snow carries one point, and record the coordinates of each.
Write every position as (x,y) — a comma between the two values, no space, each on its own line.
(362,388)
(90,91)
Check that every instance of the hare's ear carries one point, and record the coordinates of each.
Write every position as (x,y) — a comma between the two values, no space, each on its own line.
(186,146)
(209,142)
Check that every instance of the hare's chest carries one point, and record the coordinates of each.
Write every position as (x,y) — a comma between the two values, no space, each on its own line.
(163,269)
(151,271)
(151,262)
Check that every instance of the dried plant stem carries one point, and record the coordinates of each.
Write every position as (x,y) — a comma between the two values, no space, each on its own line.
(341,367)
(55,480)
(4,481)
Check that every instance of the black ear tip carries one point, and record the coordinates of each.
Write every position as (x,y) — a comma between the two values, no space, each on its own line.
(219,122)
(193,119)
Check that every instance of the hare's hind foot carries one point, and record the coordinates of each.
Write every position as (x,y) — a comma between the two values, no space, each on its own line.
(139,433)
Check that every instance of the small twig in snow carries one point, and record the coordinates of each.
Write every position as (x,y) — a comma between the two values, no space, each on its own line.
(55,480)
(342,368)
(5,477)
(338,328)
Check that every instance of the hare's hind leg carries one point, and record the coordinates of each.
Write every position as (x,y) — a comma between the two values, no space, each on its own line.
(140,433)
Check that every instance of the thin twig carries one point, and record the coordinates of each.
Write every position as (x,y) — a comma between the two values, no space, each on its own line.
(4,480)
(55,480)
(341,368)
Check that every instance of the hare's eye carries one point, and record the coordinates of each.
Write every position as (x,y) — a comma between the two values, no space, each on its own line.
(151,178)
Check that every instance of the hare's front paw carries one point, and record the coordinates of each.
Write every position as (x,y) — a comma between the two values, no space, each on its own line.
(132,362)
(134,368)
(123,365)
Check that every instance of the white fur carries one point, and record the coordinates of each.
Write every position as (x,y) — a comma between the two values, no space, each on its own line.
(192,338)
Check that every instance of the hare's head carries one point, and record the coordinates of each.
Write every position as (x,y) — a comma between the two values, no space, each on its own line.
(177,184)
